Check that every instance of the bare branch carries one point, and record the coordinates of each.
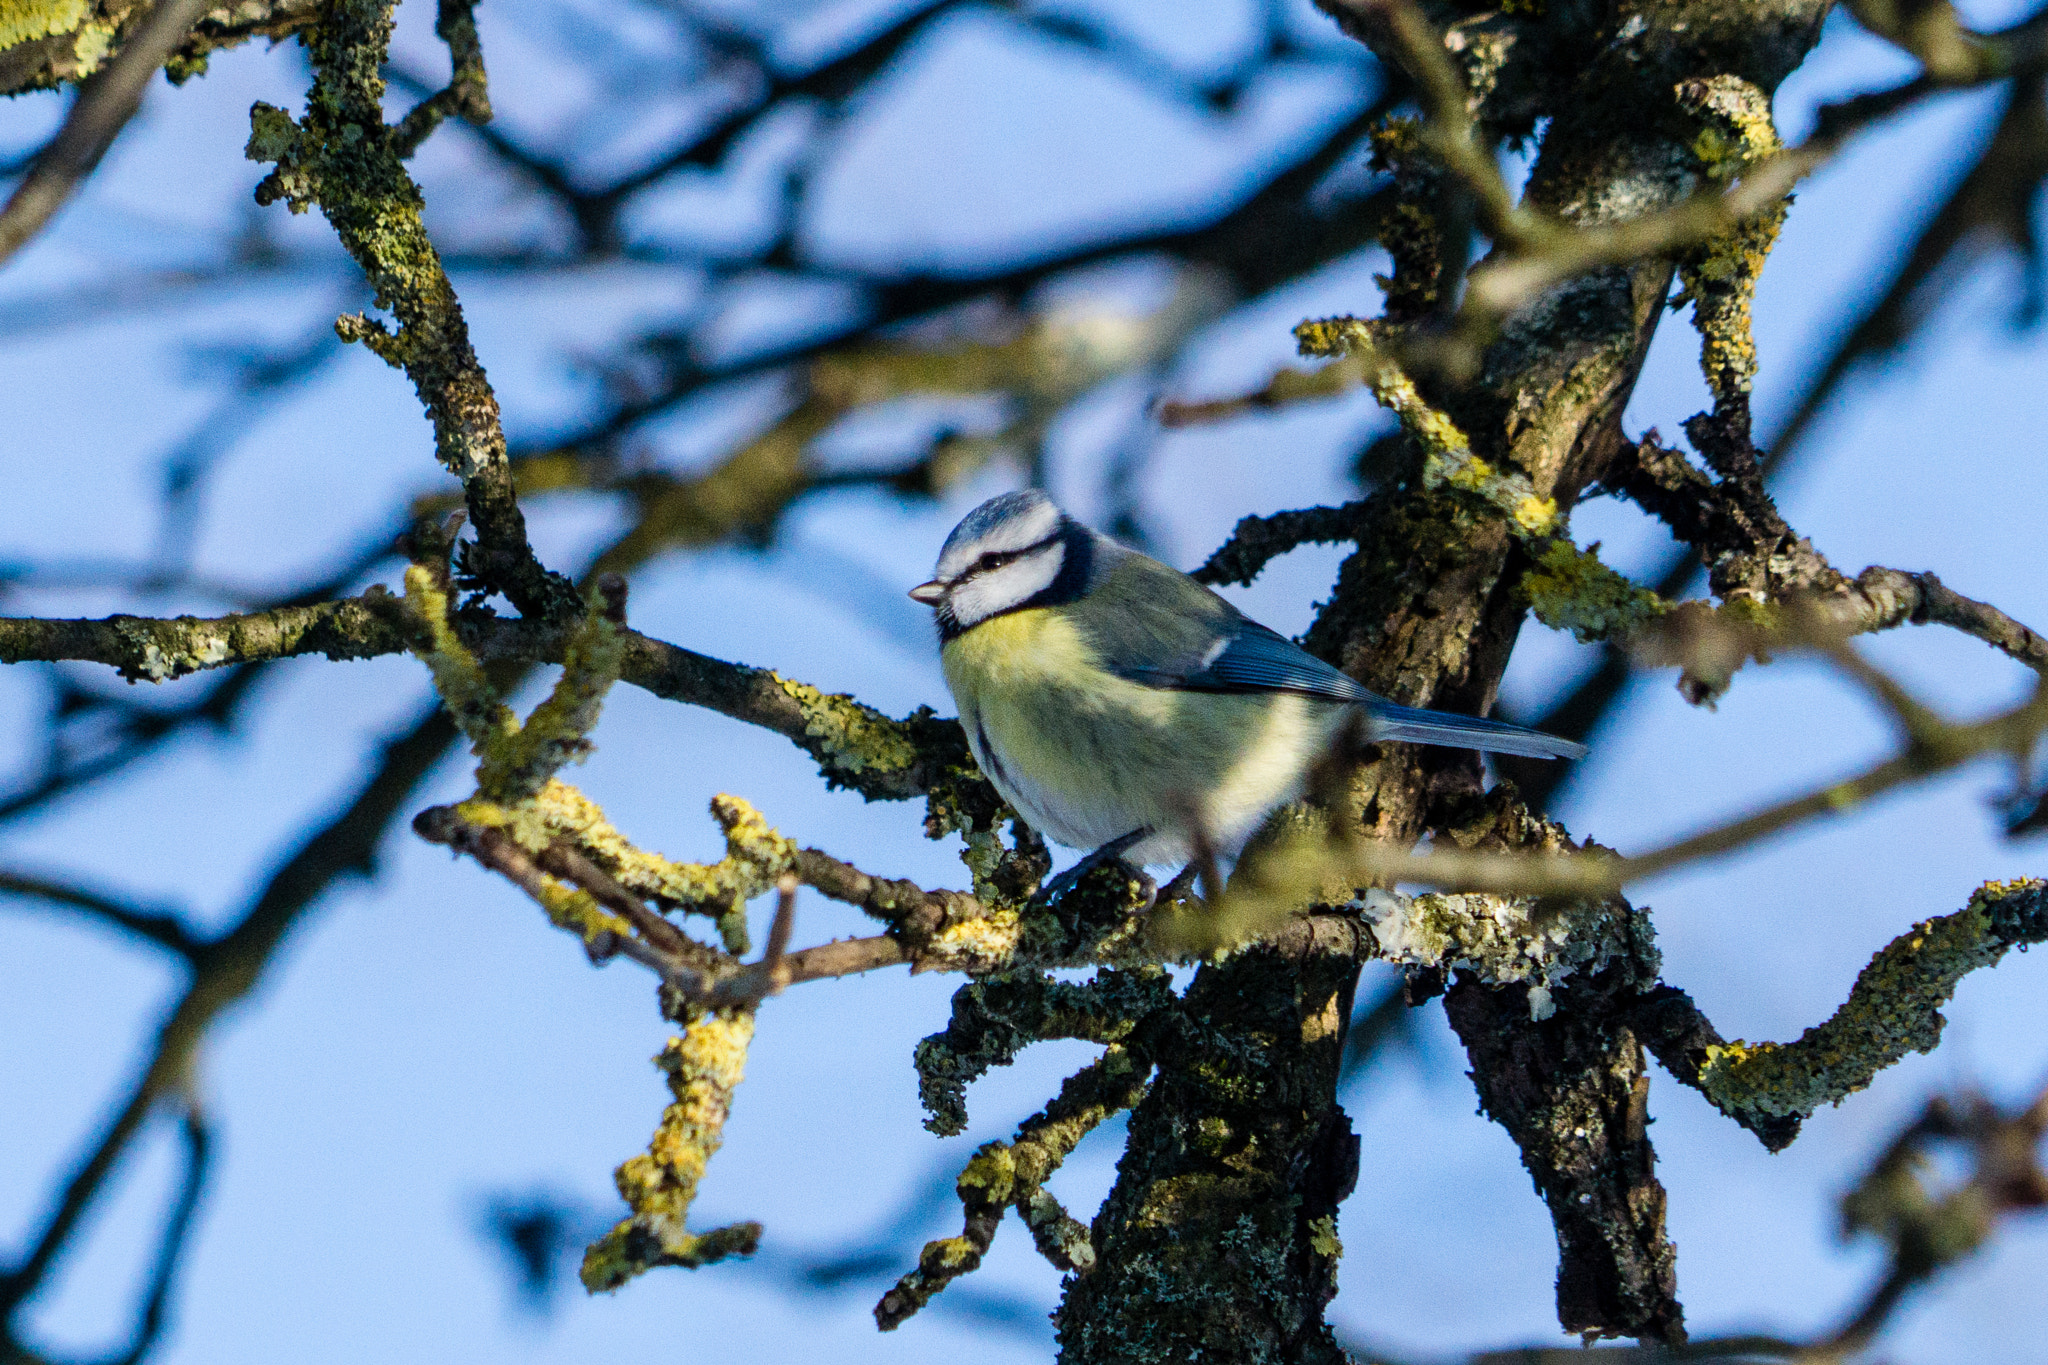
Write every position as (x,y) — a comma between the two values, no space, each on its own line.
(107,100)
(1598,874)
(163,927)
(229,968)
(467,95)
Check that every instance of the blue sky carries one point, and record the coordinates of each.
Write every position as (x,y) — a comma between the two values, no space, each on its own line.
(428,1041)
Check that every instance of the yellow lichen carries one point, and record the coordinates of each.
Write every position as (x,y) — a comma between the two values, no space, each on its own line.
(22,21)
(1447,457)
(854,738)
(91,46)
(522,759)
(1570,589)
(458,677)
(577,911)
(1719,278)
(1333,337)
(704,1067)
(756,854)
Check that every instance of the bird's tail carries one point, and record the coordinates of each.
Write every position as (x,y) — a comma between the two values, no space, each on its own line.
(1410,725)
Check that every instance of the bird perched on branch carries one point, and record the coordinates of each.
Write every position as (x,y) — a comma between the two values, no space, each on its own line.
(1120,706)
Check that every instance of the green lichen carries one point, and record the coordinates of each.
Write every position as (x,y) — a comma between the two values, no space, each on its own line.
(703,1068)
(1570,589)
(850,736)
(22,21)
(1893,1009)
(1719,278)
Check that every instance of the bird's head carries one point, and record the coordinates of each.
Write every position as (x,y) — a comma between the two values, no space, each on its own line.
(1006,553)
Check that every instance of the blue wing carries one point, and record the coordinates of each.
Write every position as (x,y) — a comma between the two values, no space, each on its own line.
(1158,627)
(1255,659)
(1251,658)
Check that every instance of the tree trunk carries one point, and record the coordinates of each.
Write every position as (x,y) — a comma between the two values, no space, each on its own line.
(1218,1242)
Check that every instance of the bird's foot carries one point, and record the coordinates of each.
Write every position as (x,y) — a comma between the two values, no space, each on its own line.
(1111,852)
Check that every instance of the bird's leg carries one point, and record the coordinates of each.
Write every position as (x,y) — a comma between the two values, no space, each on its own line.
(1110,852)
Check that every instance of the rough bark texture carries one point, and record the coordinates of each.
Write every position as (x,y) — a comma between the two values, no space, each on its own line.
(1426,611)
(1573,1091)
(1219,1242)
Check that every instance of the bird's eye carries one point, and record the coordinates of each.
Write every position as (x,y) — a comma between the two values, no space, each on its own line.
(995,559)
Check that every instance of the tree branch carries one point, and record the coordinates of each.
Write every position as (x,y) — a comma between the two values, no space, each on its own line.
(344,158)
(227,970)
(163,927)
(856,745)
(107,100)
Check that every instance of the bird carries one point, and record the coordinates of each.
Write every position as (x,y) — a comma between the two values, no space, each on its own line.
(1121,707)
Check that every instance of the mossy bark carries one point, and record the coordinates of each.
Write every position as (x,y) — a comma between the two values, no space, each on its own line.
(1212,1244)
(1219,1241)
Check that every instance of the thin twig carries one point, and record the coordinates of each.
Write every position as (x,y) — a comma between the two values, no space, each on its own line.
(1450,131)
(233,966)
(772,961)
(1599,874)
(107,100)
(164,927)
(176,1235)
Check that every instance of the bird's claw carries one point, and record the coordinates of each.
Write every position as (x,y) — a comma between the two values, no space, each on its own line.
(1111,852)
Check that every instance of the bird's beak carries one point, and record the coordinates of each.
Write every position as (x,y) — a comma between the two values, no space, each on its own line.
(931,594)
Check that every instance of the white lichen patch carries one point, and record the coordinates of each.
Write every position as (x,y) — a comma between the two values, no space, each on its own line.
(1507,939)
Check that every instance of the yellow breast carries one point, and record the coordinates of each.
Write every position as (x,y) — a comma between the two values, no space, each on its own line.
(1087,756)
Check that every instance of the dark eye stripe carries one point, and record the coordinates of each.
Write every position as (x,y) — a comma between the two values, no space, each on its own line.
(995,559)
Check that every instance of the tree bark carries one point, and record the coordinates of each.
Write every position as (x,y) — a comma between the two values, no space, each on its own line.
(1215,1244)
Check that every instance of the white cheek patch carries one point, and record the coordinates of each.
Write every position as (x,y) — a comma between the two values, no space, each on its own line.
(985,594)
(1019,532)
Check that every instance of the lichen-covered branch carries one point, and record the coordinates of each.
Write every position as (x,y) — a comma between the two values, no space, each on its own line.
(156,649)
(1256,542)
(47,43)
(856,745)
(1219,1240)
(703,1067)
(1893,1009)
(1574,1093)
(104,105)
(1004,1175)
(1540,995)
(994,1019)
(344,158)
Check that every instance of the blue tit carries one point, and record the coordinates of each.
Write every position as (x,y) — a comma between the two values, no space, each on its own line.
(1120,706)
